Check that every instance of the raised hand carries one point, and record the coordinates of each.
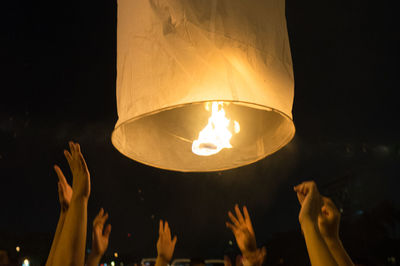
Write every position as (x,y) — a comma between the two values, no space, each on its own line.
(328,224)
(311,205)
(165,245)
(245,237)
(310,200)
(100,237)
(80,172)
(329,219)
(243,230)
(70,248)
(64,190)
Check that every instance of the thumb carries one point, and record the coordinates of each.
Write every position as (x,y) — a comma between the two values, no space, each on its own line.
(107,231)
(174,241)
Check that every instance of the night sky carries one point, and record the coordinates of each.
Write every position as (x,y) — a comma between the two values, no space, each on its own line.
(58,65)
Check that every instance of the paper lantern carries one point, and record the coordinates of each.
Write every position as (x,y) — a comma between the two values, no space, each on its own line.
(202,85)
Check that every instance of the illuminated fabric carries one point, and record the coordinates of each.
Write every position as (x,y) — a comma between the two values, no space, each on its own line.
(175,55)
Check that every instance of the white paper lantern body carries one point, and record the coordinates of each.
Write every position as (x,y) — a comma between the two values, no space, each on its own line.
(174,56)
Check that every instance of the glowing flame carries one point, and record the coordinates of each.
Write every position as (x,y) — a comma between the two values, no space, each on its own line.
(216,135)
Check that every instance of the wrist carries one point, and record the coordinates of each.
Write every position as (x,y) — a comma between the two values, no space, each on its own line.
(252,258)
(308,225)
(163,259)
(249,254)
(332,240)
(79,198)
(94,258)
(95,254)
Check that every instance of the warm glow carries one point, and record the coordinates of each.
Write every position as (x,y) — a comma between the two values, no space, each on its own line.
(216,135)
(17,249)
(116,254)
(26,262)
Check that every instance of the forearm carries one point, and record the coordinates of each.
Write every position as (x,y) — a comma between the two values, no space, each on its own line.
(93,260)
(338,252)
(57,234)
(160,261)
(317,249)
(73,235)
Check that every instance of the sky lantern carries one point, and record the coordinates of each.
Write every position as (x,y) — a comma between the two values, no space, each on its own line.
(202,85)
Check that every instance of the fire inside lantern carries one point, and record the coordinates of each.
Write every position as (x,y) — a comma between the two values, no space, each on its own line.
(216,134)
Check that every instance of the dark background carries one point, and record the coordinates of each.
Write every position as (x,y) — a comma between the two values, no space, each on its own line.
(58,84)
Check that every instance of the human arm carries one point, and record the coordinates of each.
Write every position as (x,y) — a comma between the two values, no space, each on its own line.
(242,228)
(64,195)
(73,235)
(328,224)
(100,238)
(311,203)
(165,245)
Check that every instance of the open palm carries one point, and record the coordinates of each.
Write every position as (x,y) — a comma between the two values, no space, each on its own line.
(100,237)
(243,230)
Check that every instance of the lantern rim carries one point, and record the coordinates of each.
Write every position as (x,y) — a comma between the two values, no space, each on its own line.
(243,103)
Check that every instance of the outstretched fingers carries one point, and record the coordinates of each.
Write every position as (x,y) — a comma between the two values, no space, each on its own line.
(239,214)
(167,231)
(231,226)
(68,156)
(248,220)
(233,219)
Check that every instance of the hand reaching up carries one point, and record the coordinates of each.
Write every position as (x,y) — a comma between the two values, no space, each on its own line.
(245,237)
(80,172)
(243,230)
(64,190)
(310,200)
(165,245)
(100,237)
(311,214)
(329,219)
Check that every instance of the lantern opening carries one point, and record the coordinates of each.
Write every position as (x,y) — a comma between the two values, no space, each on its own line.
(216,135)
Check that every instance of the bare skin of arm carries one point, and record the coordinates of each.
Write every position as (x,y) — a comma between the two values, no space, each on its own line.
(100,238)
(73,235)
(328,224)
(165,245)
(64,195)
(242,228)
(311,204)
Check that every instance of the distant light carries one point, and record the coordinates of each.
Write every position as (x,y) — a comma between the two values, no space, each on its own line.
(116,254)
(230,243)
(112,263)
(341,210)
(18,249)
(359,212)
(392,260)
(129,234)
(26,262)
